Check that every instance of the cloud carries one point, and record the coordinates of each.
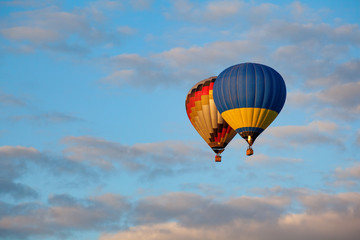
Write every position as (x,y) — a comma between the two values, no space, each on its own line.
(141,4)
(343,99)
(206,189)
(270,42)
(32,34)
(126,30)
(25,3)
(177,66)
(49,117)
(16,190)
(342,203)
(192,210)
(13,164)
(336,93)
(349,177)
(50,28)
(151,159)
(63,215)
(300,99)
(257,218)
(343,73)
(267,160)
(10,100)
(316,132)
(18,161)
(212,11)
(182,214)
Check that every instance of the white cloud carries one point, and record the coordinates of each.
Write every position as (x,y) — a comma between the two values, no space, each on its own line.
(18,152)
(319,132)
(178,65)
(345,95)
(343,73)
(33,34)
(300,99)
(267,160)
(348,173)
(251,218)
(212,11)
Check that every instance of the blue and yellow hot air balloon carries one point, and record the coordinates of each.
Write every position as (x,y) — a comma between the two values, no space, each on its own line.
(249,97)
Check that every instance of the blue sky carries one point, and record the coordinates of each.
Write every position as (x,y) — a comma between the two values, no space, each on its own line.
(95,142)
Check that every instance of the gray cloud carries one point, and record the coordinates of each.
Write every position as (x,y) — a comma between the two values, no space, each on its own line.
(17,190)
(63,215)
(177,215)
(192,210)
(10,100)
(14,162)
(188,215)
(152,159)
(18,161)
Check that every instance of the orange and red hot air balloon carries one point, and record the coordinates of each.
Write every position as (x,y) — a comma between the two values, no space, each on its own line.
(205,117)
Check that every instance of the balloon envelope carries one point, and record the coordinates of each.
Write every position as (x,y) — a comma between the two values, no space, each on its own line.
(205,117)
(249,97)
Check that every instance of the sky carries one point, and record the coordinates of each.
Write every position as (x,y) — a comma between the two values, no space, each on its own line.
(95,142)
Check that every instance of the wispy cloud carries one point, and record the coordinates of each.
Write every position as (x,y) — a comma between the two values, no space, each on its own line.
(267,160)
(152,159)
(49,117)
(11,100)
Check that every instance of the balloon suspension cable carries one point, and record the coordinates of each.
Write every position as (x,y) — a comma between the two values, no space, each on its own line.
(249,151)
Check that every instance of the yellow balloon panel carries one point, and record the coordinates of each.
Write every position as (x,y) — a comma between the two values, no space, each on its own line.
(249,117)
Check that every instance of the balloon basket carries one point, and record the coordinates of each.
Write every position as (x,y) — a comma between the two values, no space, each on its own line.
(217,158)
(249,151)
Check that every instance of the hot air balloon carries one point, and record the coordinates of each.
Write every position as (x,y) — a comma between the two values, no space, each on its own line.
(249,97)
(206,119)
